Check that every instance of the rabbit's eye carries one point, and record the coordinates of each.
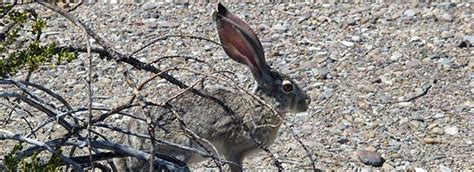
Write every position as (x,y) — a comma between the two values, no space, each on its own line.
(287,86)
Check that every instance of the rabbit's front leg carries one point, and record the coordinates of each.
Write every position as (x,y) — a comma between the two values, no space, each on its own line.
(236,158)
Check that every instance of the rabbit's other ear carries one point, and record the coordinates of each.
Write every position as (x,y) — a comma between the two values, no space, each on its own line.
(242,44)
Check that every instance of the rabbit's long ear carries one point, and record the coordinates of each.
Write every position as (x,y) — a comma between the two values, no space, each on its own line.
(242,44)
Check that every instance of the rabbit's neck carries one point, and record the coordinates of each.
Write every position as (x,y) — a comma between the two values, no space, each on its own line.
(268,98)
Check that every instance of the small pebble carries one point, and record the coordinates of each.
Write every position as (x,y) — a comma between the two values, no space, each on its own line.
(429,140)
(413,63)
(347,43)
(355,38)
(409,13)
(417,169)
(437,130)
(150,5)
(447,17)
(395,56)
(370,158)
(415,39)
(443,168)
(451,130)
(280,28)
(445,61)
(438,115)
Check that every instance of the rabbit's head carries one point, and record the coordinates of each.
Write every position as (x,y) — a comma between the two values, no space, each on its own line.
(242,45)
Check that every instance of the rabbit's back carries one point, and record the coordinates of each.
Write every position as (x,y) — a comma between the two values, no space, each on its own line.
(211,121)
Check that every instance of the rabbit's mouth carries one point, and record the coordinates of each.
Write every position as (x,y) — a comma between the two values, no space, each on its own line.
(302,105)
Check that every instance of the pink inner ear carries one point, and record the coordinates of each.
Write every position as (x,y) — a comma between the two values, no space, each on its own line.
(240,41)
(244,28)
(235,43)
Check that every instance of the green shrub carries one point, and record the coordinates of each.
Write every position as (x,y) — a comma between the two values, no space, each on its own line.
(31,163)
(26,51)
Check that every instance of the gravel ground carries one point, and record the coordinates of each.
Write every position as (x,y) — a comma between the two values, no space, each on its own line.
(390,84)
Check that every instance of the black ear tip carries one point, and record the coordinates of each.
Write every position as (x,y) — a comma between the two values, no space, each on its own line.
(221,9)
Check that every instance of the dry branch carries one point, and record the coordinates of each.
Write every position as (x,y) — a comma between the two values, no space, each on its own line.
(40,107)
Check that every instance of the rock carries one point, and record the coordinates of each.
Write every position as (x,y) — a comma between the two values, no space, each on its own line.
(447,17)
(322,54)
(371,158)
(446,5)
(409,13)
(386,166)
(420,170)
(150,5)
(415,39)
(445,61)
(451,130)
(469,104)
(443,168)
(370,134)
(395,56)
(385,79)
(365,169)
(430,140)
(446,34)
(152,26)
(437,130)
(155,15)
(413,63)
(369,88)
(328,92)
(438,115)
(355,38)
(342,140)
(313,48)
(347,43)
(326,5)
(320,59)
(414,124)
(465,44)
(280,28)
(469,38)
(300,118)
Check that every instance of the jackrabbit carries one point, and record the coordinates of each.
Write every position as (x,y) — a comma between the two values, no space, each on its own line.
(233,135)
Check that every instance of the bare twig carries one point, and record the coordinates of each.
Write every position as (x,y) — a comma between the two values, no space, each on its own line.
(114,111)
(308,152)
(109,112)
(10,114)
(22,85)
(172,36)
(176,56)
(425,91)
(76,6)
(142,85)
(145,136)
(40,107)
(198,139)
(147,113)
(89,93)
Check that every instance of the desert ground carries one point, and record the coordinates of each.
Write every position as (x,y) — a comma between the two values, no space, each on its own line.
(389,83)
